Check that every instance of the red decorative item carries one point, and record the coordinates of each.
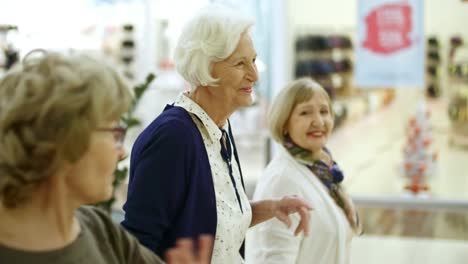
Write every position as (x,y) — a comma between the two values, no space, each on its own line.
(388,28)
(419,160)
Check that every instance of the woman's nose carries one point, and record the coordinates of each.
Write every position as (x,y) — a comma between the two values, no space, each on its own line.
(121,153)
(317,121)
(252,75)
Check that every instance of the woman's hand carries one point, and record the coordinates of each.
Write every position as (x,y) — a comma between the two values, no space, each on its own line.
(293,204)
(183,252)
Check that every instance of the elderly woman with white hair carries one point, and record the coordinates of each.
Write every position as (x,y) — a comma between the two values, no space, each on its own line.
(185,175)
(60,141)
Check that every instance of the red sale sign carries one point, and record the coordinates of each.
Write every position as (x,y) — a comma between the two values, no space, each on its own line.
(390,44)
(388,28)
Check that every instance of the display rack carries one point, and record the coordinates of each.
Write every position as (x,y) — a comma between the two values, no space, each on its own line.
(328,59)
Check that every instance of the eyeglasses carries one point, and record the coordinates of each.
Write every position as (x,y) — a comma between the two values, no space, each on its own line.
(118,133)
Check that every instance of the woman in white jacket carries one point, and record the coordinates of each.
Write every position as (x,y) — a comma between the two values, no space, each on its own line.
(301,121)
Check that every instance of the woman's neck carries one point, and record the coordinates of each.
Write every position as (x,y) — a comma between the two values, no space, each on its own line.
(217,110)
(45,222)
(323,156)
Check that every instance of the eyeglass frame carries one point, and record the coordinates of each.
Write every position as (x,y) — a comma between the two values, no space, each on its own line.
(118,132)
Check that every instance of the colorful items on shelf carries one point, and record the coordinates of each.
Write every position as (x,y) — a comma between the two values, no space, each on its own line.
(458,103)
(458,107)
(458,114)
(455,43)
(327,59)
(419,158)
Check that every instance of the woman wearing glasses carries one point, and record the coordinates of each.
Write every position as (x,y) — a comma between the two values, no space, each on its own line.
(59,145)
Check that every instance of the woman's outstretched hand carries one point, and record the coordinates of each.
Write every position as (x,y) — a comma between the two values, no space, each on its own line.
(293,204)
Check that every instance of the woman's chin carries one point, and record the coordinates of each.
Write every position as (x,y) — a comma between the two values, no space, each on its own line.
(103,196)
(245,102)
(315,147)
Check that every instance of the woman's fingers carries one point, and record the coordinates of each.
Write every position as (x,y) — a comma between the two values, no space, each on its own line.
(292,204)
(172,256)
(205,246)
(182,253)
(283,217)
(304,221)
(300,202)
(185,246)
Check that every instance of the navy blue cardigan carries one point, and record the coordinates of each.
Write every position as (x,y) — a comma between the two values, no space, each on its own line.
(170,193)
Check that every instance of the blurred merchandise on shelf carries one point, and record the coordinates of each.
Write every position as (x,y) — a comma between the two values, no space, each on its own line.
(9,54)
(455,43)
(419,160)
(433,62)
(327,58)
(458,102)
(127,51)
(341,113)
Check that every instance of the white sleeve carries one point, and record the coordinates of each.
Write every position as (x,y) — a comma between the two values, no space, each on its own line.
(272,241)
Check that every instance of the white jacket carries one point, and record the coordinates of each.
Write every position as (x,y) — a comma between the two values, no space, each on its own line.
(330,235)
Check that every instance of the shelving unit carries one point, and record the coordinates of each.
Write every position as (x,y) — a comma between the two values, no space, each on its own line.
(327,58)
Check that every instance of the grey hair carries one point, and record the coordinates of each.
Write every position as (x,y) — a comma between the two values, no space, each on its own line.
(49,107)
(210,36)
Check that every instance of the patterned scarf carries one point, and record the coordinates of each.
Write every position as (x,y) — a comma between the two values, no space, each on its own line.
(331,177)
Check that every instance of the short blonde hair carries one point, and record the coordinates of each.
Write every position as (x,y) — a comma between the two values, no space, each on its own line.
(211,36)
(298,91)
(49,106)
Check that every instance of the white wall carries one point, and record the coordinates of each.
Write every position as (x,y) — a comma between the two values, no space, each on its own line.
(322,14)
(442,17)
(445,18)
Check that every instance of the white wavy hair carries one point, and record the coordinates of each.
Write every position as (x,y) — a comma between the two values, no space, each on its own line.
(210,36)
